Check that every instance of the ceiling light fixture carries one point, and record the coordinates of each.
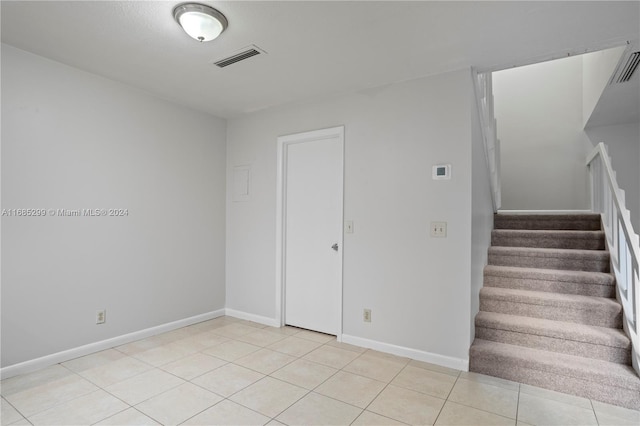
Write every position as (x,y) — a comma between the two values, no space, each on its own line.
(201,22)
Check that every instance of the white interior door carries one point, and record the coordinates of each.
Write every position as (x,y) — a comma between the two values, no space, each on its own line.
(313,219)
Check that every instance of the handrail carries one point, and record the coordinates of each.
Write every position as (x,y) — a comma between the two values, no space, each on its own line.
(608,199)
(484,102)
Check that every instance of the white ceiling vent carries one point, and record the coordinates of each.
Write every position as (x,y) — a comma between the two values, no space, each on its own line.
(241,55)
(627,67)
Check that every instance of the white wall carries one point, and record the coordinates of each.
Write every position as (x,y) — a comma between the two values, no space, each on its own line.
(72,140)
(416,286)
(597,68)
(481,215)
(543,146)
(623,143)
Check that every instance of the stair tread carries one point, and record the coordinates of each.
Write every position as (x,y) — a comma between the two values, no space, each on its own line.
(586,277)
(549,252)
(550,216)
(546,298)
(557,233)
(588,369)
(557,329)
(562,239)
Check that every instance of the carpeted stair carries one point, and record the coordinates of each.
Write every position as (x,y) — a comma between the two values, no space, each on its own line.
(548,315)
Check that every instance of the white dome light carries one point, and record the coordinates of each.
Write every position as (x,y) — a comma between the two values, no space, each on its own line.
(201,22)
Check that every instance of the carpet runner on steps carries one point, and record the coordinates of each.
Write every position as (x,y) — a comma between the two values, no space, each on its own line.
(553,281)
(548,258)
(580,222)
(580,240)
(548,315)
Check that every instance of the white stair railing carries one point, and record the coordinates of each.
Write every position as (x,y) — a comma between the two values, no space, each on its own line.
(609,200)
(484,100)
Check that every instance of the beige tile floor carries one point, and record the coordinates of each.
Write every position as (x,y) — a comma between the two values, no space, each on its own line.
(234,372)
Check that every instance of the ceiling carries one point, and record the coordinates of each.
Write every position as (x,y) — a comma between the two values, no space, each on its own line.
(314,49)
(619,102)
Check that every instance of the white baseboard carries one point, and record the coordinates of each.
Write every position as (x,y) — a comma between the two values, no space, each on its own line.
(58,357)
(271,322)
(69,354)
(442,360)
(532,212)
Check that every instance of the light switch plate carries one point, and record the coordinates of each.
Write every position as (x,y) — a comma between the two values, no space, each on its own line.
(348,227)
(439,229)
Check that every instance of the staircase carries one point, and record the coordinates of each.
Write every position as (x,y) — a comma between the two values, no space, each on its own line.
(548,315)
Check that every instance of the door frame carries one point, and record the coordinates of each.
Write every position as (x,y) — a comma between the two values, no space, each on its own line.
(283,144)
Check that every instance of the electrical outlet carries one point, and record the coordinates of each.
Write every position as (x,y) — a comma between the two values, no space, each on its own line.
(101,316)
(366,315)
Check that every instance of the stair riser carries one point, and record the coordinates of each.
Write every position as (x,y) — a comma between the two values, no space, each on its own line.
(569,347)
(548,242)
(550,286)
(569,264)
(610,394)
(601,318)
(529,223)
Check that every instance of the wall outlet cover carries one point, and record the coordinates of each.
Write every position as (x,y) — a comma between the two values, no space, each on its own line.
(366,315)
(101,316)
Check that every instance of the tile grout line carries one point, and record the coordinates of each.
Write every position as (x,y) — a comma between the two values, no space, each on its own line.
(312,390)
(320,384)
(335,373)
(199,386)
(63,402)
(446,399)
(151,367)
(12,406)
(134,406)
(338,370)
(227,398)
(594,411)
(111,415)
(289,406)
(482,409)
(274,378)
(518,403)
(384,388)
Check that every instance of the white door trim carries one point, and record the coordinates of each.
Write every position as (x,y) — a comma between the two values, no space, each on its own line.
(283,142)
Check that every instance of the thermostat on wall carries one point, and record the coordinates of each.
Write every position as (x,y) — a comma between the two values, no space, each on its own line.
(442,171)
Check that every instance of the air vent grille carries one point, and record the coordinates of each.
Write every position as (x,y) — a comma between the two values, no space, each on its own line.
(245,54)
(629,68)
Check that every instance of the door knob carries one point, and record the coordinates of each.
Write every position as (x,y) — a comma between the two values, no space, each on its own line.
(335,246)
